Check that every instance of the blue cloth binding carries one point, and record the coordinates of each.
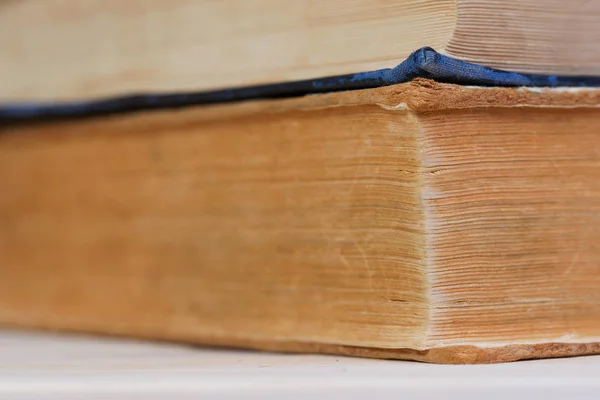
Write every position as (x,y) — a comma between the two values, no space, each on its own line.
(424,63)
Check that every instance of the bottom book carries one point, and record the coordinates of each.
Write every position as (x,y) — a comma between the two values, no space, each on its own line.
(419,221)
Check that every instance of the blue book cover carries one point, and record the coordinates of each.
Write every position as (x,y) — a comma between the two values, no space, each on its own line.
(423,63)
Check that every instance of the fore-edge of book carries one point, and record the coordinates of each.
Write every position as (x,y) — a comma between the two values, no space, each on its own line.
(420,221)
(75,50)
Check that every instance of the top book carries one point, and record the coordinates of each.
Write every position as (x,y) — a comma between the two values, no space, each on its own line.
(60,50)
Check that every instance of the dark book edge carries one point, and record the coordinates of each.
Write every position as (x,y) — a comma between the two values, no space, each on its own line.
(423,63)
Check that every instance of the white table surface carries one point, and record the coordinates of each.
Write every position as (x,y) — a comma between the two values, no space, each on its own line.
(54,366)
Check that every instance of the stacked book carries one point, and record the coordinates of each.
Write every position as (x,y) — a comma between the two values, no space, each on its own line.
(305,176)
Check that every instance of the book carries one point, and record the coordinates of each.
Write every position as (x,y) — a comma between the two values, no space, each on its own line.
(66,50)
(422,221)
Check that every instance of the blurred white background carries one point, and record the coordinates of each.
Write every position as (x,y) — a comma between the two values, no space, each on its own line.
(56,366)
